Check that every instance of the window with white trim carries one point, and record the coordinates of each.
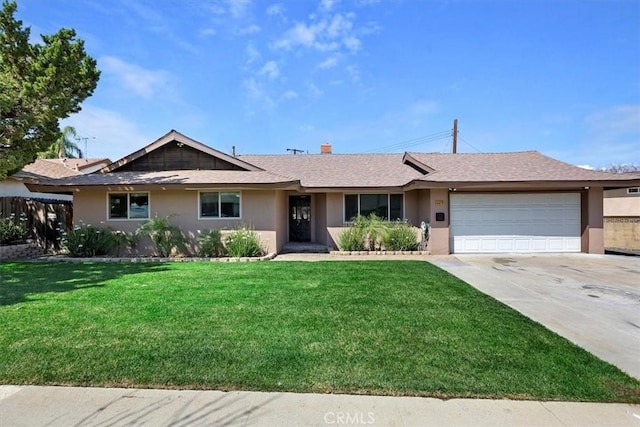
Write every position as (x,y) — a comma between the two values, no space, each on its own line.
(387,206)
(217,204)
(633,190)
(131,205)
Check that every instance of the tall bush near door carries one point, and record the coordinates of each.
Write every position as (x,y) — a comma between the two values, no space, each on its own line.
(351,239)
(400,236)
(166,237)
(210,244)
(86,240)
(373,227)
(244,242)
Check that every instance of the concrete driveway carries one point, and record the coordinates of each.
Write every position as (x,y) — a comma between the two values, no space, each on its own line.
(592,300)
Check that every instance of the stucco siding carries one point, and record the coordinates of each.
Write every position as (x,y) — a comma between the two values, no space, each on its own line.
(13,188)
(620,203)
(281,219)
(411,207)
(258,209)
(320,217)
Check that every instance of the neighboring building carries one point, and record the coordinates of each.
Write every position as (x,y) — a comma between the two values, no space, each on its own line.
(622,217)
(14,185)
(501,202)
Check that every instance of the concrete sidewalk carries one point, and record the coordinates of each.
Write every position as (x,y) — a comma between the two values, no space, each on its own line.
(75,406)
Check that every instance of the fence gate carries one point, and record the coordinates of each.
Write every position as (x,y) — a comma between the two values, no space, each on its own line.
(45,219)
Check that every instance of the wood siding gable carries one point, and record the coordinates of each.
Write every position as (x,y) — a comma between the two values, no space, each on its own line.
(177,156)
(174,151)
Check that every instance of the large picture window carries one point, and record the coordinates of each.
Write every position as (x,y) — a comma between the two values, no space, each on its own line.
(214,204)
(387,206)
(129,205)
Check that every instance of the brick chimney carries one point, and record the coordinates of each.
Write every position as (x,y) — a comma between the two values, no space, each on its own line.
(325,148)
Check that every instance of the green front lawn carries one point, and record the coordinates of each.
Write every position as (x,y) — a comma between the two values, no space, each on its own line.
(379,327)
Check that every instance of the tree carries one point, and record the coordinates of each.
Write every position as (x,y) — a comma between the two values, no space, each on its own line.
(623,168)
(39,85)
(64,147)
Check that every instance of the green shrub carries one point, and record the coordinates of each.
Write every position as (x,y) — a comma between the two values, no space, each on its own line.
(165,236)
(87,241)
(373,228)
(352,239)
(13,230)
(210,244)
(400,236)
(126,241)
(243,242)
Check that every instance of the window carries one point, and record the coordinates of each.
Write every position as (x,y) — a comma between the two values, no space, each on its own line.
(633,190)
(219,205)
(128,205)
(387,206)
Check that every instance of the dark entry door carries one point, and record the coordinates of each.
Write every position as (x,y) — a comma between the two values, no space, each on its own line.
(299,218)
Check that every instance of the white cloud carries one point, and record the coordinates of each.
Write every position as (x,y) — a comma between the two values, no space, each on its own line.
(352,43)
(290,94)
(252,53)
(277,10)
(235,8)
(238,8)
(330,62)
(329,33)
(299,35)
(251,29)
(314,91)
(621,119)
(612,135)
(207,32)
(327,4)
(354,73)
(423,107)
(270,69)
(141,81)
(258,94)
(588,167)
(115,135)
(340,24)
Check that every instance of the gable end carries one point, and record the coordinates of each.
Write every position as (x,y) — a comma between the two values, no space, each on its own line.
(176,155)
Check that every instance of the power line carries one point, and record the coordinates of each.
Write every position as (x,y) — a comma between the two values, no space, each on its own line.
(413,142)
(466,142)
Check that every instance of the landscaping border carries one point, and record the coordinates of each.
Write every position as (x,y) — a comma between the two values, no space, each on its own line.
(267,257)
(20,251)
(374,253)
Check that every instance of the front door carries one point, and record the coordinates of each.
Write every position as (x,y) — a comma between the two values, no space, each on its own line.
(299,218)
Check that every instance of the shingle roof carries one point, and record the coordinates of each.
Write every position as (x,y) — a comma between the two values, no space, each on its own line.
(80,164)
(339,170)
(47,168)
(505,167)
(176,136)
(193,177)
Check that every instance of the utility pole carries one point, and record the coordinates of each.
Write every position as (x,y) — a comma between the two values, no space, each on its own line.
(455,136)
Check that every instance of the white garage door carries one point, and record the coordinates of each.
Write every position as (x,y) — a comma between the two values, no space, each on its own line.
(543,222)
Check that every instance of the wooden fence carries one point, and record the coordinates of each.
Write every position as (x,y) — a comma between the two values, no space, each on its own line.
(46,220)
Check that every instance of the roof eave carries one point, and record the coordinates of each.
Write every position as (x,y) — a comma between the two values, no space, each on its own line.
(174,135)
(606,184)
(71,187)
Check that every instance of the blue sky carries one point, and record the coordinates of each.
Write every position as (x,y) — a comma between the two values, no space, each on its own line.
(561,77)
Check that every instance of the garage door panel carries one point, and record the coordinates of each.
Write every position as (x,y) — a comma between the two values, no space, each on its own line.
(536,222)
